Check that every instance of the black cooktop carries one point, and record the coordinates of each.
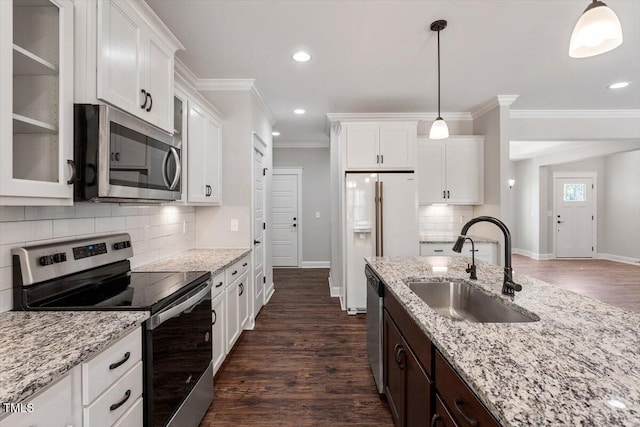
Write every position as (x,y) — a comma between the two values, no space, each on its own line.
(109,288)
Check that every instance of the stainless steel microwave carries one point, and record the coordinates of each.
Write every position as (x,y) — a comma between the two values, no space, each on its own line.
(120,158)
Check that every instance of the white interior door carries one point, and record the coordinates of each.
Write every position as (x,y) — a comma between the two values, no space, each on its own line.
(574,217)
(284,197)
(258,229)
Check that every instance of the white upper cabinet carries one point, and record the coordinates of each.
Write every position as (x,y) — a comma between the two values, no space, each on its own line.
(204,151)
(451,170)
(125,56)
(36,102)
(380,146)
(135,64)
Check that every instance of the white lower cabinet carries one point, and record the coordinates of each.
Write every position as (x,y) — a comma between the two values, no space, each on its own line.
(104,391)
(485,251)
(57,406)
(218,331)
(231,300)
(243,301)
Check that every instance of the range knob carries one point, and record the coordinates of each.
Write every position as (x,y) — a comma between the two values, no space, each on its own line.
(60,257)
(46,260)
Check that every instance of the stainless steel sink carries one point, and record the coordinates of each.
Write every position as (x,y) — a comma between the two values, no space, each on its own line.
(460,301)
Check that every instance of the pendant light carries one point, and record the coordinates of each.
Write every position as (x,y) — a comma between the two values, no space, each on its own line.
(439,128)
(597,31)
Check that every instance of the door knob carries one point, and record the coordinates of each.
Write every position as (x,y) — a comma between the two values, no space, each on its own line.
(560,222)
(294,218)
(294,225)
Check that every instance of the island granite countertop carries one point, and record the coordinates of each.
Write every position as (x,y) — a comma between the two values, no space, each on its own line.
(213,260)
(38,348)
(578,365)
(452,239)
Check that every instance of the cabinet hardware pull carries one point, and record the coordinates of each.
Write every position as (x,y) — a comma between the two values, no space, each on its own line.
(381,158)
(126,357)
(208,190)
(457,402)
(399,353)
(72,165)
(117,157)
(444,194)
(244,265)
(151,103)
(115,406)
(378,158)
(234,272)
(438,250)
(241,289)
(144,104)
(218,285)
(215,317)
(448,194)
(435,419)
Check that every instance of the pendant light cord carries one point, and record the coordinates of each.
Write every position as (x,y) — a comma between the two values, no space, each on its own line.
(439,74)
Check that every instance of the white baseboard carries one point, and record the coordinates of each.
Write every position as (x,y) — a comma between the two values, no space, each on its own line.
(619,258)
(316,264)
(270,292)
(532,255)
(342,307)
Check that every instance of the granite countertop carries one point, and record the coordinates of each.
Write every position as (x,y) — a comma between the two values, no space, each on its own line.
(37,348)
(213,260)
(578,365)
(452,239)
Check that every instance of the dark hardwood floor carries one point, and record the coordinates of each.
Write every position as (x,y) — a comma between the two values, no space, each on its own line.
(304,364)
(612,282)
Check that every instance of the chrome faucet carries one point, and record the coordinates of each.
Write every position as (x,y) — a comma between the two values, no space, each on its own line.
(508,285)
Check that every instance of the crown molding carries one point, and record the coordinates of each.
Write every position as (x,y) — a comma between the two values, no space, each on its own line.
(497,101)
(225,84)
(263,103)
(395,117)
(184,72)
(155,22)
(575,114)
(300,144)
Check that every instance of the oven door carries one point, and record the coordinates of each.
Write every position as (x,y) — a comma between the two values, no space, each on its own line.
(137,161)
(177,353)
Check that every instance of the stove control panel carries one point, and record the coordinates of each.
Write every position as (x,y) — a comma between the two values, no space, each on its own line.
(122,245)
(43,262)
(53,259)
(89,250)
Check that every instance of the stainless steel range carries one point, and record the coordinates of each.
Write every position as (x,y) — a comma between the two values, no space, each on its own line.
(95,274)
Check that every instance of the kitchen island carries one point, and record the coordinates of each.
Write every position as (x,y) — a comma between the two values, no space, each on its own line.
(578,365)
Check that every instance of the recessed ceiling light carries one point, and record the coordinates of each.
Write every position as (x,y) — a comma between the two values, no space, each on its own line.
(299,111)
(275,133)
(618,85)
(301,56)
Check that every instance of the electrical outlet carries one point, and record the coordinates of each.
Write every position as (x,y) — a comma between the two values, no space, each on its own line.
(317,214)
(235,225)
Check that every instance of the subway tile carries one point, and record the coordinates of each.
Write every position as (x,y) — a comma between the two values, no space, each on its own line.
(92,210)
(158,243)
(11,213)
(137,234)
(113,223)
(25,231)
(6,301)
(141,247)
(5,278)
(148,210)
(144,258)
(157,219)
(6,259)
(137,221)
(73,227)
(123,210)
(49,212)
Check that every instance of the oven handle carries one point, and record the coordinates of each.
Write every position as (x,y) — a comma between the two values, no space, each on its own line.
(194,299)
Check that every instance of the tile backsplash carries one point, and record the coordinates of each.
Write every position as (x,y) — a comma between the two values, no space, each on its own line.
(156,231)
(443,221)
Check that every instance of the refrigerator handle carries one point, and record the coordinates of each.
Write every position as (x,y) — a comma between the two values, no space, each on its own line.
(381,219)
(377,215)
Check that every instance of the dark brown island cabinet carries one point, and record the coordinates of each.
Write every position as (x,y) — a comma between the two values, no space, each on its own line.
(421,387)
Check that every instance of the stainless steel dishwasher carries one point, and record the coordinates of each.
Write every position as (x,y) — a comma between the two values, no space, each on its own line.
(375,291)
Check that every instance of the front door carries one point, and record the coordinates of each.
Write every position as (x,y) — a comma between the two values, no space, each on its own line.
(284,196)
(574,217)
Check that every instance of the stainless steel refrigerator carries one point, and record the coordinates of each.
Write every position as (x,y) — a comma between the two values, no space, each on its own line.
(382,220)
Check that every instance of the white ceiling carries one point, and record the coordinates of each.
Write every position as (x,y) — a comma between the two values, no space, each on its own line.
(379,56)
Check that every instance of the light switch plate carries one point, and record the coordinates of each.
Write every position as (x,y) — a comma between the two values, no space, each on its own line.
(317,214)
(235,225)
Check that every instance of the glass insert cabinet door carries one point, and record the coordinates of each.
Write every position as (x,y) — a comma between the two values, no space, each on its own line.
(37,142)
